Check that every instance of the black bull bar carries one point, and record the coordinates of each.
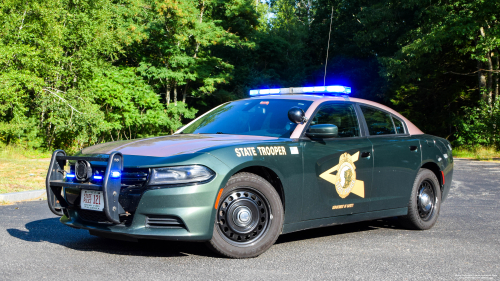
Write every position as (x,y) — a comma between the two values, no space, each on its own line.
(110,186)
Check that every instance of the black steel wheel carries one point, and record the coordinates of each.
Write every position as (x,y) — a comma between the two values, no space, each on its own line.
(243,217)
(425,202)
(249,217)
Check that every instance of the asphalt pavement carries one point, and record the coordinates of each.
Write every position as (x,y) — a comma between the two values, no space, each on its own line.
(463,245)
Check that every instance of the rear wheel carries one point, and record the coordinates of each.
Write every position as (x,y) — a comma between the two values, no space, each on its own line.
(249,217)
(425,202)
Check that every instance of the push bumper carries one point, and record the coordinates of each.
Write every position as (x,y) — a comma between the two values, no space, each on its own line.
(192,207)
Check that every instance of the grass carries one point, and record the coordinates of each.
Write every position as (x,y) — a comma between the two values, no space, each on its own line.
(482,153)
(22,169)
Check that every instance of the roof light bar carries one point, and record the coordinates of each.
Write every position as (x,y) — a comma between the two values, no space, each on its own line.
(325,90)
(263,92)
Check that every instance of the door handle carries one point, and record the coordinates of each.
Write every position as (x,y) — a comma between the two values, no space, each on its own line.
(413,148)
(365,154)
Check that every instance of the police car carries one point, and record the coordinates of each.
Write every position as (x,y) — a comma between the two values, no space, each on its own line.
(247,171)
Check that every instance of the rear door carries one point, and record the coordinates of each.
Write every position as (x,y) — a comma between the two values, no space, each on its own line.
(337,171)
(397,159)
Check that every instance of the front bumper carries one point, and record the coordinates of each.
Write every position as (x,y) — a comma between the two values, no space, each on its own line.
(192,205)
(184,212)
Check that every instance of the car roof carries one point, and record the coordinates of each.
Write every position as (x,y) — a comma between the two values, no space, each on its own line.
(319,99)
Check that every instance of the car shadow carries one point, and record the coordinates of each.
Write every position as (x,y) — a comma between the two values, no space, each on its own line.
(52,231)
(391,223)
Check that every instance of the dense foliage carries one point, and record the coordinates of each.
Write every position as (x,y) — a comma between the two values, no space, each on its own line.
(79,72)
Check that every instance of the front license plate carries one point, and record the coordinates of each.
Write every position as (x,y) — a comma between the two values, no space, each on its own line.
(92,200)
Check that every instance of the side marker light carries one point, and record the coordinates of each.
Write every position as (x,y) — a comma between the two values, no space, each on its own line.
(218,198)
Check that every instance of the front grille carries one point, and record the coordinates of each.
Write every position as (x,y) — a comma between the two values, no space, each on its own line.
(133,181)
(100,217)
(131,177)
(159,221)
(134,177)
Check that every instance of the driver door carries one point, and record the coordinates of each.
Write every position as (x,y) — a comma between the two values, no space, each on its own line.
(337,170)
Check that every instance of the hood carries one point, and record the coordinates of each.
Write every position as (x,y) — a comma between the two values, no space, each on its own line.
(170,145)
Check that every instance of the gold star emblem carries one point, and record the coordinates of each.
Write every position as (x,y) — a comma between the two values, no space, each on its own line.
(345,179)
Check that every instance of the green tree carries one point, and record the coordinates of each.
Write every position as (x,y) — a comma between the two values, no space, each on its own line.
(59,87)
(131,107)
(48,50)
(435,58)
(175,53)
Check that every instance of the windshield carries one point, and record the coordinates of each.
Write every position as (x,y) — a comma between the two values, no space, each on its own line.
(258,117)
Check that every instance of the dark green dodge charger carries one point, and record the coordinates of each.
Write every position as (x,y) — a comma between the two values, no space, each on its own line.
(247,171)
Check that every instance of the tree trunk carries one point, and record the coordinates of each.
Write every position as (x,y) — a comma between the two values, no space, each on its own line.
(201,20)
(167,94)
(309,20)
(495,97)
(481,79)
(43,113)
(490,77)
(175,93)
(185,93)
(481,76)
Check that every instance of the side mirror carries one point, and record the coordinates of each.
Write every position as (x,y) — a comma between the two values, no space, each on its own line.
(323,131)
(297,115)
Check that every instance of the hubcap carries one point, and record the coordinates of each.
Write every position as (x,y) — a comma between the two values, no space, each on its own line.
(426,200)
(243,216)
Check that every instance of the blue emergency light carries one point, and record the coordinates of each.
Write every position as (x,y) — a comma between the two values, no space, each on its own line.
(325,90)
(70,176)
(97,177)
(115,174)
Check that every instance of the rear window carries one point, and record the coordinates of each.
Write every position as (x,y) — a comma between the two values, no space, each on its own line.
(400,128)
(378,122)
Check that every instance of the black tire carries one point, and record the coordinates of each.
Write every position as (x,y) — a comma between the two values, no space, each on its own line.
(249,217)
(425,202)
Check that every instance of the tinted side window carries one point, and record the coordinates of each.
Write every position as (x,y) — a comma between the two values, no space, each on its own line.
(379,122)
(400,128)
(341,115)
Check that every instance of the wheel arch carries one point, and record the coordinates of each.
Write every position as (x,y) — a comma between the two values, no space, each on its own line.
(269,175)
(436,170)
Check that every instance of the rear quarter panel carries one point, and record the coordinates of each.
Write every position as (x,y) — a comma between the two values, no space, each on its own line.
(438,150)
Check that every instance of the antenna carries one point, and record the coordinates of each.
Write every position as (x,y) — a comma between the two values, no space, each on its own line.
(328,47)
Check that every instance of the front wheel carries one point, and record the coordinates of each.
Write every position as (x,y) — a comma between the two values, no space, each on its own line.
(249,217)
(425,202)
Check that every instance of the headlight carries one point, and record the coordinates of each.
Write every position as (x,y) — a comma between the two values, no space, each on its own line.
(180,174)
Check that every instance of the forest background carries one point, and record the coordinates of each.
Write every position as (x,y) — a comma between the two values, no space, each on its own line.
(74,73)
